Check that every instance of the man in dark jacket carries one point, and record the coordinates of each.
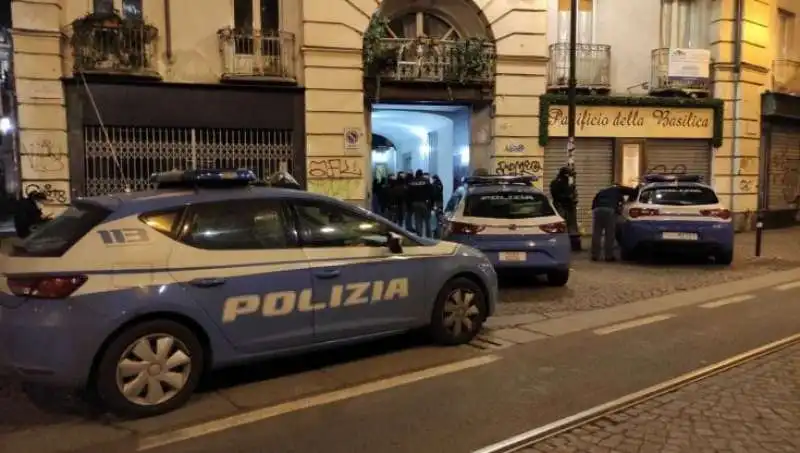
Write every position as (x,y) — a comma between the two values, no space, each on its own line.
(605,207)
(28,214)
(565,199)
(420,196)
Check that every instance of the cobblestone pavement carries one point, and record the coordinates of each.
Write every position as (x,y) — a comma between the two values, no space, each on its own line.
(595,285)
(753,408)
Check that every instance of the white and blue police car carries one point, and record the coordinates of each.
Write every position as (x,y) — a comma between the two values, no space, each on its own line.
(512,222)
(136,295)
(675,213)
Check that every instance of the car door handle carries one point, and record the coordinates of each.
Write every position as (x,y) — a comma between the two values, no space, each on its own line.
(207,282)
(328,273)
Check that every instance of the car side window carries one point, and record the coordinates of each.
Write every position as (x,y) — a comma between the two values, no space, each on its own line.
(237,225)
(327,225)
(453,203)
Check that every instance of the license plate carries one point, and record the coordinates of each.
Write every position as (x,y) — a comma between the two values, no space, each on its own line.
(679,236)
(513,256)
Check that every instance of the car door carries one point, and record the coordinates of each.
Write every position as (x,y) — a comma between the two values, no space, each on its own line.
(362,289)
(240,261)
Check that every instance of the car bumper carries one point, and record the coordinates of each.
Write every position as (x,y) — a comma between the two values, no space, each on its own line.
(48,342)
(712,236)
(544,252)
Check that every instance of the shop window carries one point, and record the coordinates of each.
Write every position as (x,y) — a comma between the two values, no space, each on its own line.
(685,24)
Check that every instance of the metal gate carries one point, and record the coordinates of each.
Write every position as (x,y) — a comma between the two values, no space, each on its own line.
(783,169)
(594,164)
(692,157)
(138,152)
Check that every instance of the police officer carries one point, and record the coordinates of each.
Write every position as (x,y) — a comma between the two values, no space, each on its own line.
(420,195)
(395,198)
(605,207)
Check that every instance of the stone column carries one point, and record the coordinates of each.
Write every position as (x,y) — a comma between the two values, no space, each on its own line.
(44,164)
(736,162)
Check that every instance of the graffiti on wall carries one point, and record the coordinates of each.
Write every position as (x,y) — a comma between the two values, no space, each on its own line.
(344,189)
(784,172)
(335,167)
(44,167)
(57,192)
(518,167)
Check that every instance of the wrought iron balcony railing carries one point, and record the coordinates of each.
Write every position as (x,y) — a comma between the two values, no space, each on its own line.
(110,44)
(432,60)
(661,82)
(257,54)
(592,67)
(786,75)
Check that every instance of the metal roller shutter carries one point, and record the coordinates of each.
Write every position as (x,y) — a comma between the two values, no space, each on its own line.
(594,163)
(679,156)
(784,169)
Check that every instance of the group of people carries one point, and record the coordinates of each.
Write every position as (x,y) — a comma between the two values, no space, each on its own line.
(409,199)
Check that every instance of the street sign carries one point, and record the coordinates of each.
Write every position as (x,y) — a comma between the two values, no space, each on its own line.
(352,138)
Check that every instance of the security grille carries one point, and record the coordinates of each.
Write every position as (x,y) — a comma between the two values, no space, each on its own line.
(138,152)
(783,169)
(691,157)
(594,166)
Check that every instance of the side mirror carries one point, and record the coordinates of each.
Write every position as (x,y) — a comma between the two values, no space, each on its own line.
(390,241)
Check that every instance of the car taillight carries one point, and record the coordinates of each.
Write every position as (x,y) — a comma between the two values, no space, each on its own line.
(554,228)
(464,228)
(51,287)
(642,212)
(723,214)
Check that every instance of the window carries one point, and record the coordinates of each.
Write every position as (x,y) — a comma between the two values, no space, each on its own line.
(422,24)
(55,237)
(324,225)
(250,225)
(786,21)
(679,196)
(103,6)
(685,24)
(132,8)
(453,203)
(265,19)
(163,222)
(508,205)
(585,31)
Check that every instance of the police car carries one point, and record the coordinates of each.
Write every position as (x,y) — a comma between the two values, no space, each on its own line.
(512,222)
(136,295)
(672,213)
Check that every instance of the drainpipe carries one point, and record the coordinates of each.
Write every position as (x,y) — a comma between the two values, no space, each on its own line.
(168,31)
(738,15)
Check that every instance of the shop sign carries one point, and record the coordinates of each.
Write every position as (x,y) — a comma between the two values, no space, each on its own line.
(634,122)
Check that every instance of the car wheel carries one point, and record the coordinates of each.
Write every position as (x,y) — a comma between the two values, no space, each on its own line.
(626,254)
(149,369)
(458,313)
(724,258)
(558,278)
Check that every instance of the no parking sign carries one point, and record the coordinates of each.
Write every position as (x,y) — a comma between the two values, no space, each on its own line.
(352,138)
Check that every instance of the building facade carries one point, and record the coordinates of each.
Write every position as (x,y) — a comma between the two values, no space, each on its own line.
(780,122)
(110,91)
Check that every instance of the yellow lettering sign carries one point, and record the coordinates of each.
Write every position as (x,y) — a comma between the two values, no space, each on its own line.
(634,122)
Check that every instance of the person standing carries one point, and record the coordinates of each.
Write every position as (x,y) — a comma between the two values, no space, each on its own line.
(605,208)
(28,214)
(420,196)
(565,199)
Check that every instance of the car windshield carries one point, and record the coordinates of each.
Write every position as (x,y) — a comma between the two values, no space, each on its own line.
(508,205)
(55,237)
(679,196)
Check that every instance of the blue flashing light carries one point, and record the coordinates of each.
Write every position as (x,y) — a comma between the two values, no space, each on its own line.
(670,177)
(217,179)
(494,180)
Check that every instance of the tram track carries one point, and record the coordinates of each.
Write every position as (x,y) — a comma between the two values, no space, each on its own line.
(543,433)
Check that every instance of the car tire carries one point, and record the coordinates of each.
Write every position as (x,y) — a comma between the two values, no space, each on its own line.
(724,258)
(626,254)
(558,278)
(458,313)
(157,354)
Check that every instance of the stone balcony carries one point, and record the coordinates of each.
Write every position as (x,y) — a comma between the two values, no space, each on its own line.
(592,68)
(257,55)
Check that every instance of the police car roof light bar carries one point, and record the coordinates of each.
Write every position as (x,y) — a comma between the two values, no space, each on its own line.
(671,177)
(203,178)
(500,180)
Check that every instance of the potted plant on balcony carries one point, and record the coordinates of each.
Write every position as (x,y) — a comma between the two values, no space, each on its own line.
(379,55)
(109,42)
(472,60)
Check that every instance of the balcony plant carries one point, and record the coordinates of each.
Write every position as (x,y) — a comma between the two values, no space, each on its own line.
(472,60)
(379,56)
(107,41)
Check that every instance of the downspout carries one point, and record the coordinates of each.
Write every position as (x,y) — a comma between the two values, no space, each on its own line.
(738,15)
(168,31)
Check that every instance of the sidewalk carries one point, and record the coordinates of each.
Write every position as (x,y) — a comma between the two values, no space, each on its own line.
(753,408)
